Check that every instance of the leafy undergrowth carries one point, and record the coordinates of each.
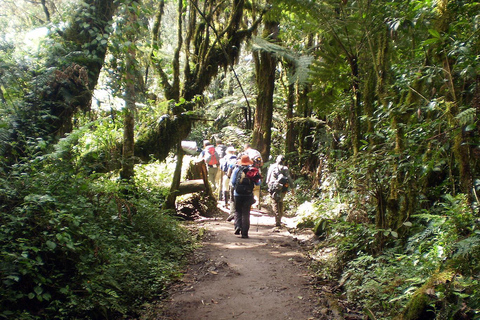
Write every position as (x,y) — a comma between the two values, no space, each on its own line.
(432,273)
(74,246)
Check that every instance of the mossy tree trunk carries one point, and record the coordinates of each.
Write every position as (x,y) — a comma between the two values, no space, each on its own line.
(290,135)
(355,110)
(68,84)
(265,66)
(128,162)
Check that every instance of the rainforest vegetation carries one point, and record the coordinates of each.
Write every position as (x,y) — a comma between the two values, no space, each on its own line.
(375,105)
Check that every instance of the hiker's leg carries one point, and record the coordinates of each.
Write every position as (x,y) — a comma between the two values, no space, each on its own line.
(245,213)
(279,209)
(232,201)
(219,184)
(276,210)
(237,207)
(225,188)
(280,212)
(212,173)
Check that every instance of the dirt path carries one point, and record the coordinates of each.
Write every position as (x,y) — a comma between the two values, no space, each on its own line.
(263,277)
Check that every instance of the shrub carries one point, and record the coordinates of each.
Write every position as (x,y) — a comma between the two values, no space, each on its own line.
(73,246)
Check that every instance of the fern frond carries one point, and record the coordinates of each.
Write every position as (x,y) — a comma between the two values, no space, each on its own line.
(301,62)
(466,247)
(466,116)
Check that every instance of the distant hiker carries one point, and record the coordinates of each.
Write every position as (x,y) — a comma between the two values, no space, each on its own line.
(254,155)
(212,161)
(243,180)
(229,162)
(257,159)
(278,182)
(221,150)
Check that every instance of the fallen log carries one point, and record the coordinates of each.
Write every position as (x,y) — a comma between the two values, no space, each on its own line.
(191,186)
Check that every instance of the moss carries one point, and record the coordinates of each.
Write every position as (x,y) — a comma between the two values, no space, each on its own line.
(320,228)
(418,306)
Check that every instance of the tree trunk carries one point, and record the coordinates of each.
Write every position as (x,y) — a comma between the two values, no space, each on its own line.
(191,186)
(290,136)
(68,87)
(128,162)
(265,78)
(355,107)
(170,203)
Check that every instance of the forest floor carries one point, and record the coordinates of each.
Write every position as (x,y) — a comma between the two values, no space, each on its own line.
(263,277)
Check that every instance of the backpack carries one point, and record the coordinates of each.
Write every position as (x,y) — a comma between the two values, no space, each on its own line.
(211,156)
(221,150)
(245,180)
(229,163)
(280,182)
(283,182)
(257,161)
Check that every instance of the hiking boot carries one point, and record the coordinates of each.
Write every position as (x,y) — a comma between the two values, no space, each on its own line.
(237,230)
(245,237)
(230,217)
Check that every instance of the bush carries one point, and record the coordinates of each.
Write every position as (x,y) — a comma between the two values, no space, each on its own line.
(74,247)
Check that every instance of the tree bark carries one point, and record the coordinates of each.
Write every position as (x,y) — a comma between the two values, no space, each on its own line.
(265,65)
(128,163)
(170,202)
(191,186)
(290,136)
(68,84)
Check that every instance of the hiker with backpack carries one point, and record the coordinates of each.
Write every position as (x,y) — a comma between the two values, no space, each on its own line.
(243,179)
(220,148)
(228,164)
(278,182)
(212,160)
(257,159)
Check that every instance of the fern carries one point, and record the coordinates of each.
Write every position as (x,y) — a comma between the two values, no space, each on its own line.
(301,62)
(420,237)
(466,247)
(466,116)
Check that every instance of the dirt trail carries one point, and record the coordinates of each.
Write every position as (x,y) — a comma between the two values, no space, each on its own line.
(262,277)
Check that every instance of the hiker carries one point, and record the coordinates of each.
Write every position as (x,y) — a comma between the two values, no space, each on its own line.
(243,179)
(220,148)
(254,155)
(278,182)
(211,160)
(257,159)
(229,163)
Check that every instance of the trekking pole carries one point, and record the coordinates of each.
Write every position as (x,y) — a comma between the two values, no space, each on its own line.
(259,198)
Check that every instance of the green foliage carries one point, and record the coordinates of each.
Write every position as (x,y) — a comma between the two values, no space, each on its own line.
(440,255)
(72,246)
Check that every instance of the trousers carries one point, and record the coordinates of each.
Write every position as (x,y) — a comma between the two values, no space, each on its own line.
(242,213)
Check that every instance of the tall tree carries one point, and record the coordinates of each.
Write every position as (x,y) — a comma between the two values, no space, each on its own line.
(215,31)
(265,66)
(72,74)
(128,162)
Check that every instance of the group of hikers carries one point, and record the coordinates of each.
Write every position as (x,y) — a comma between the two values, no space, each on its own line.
(236,178)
